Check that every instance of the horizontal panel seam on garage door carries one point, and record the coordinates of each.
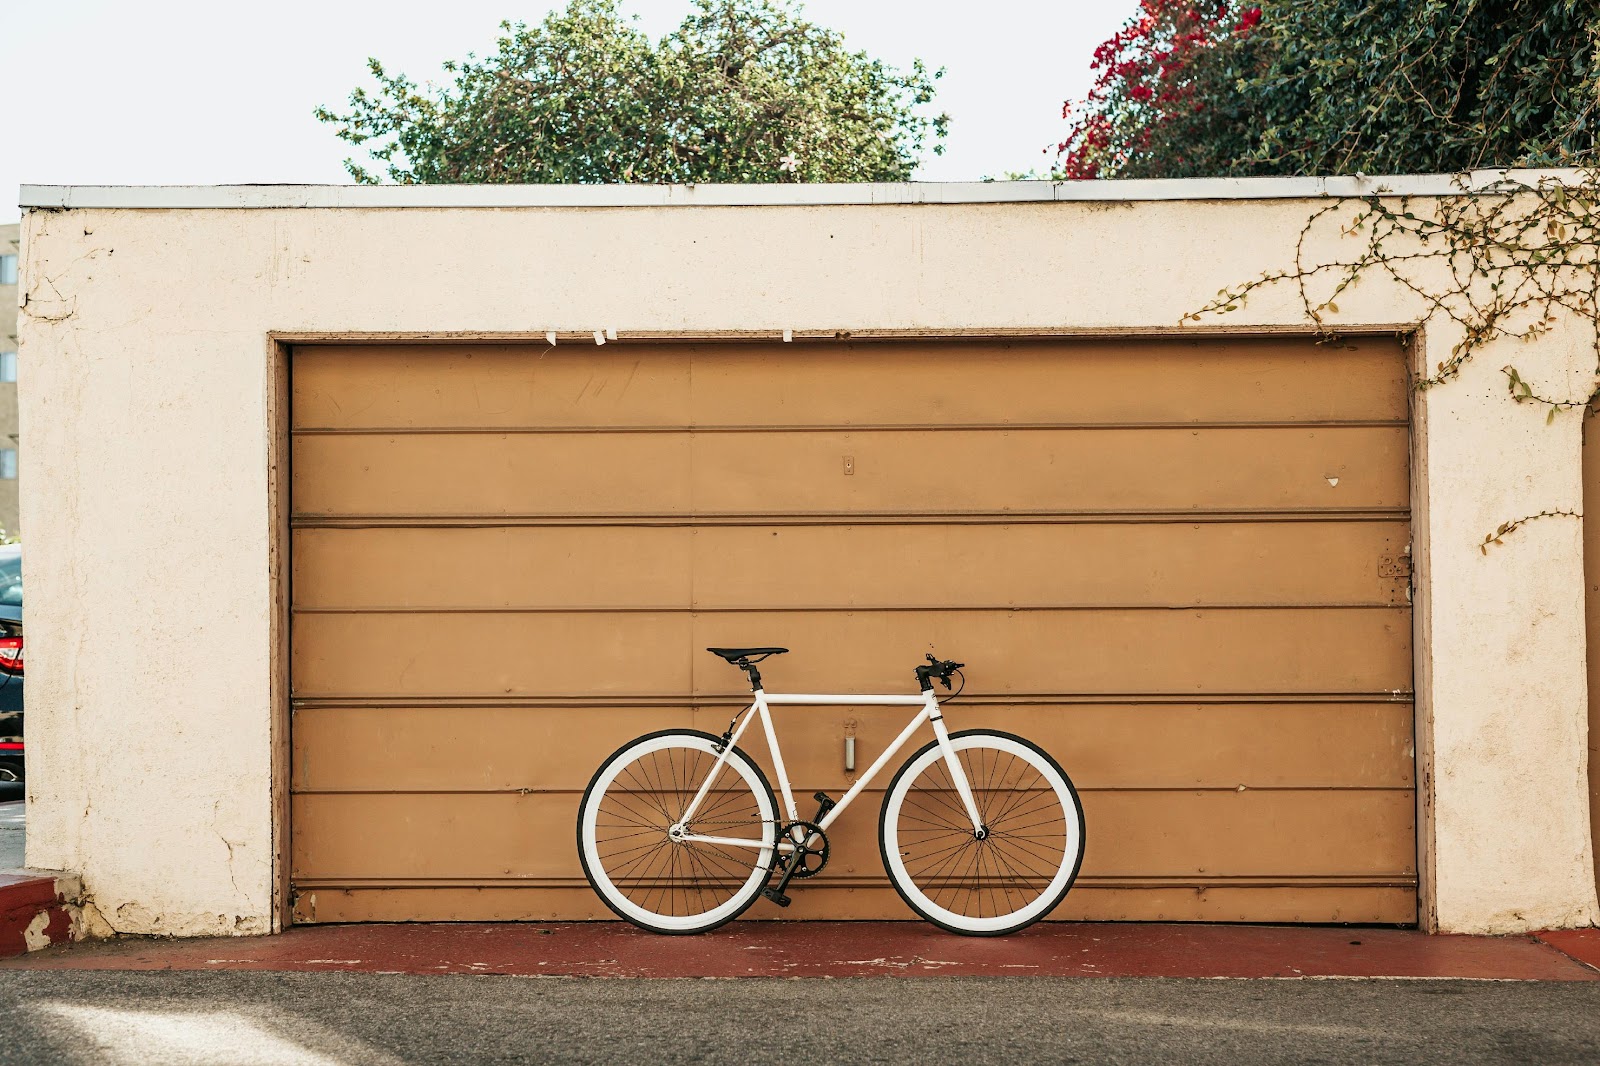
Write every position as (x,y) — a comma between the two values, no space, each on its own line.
(879,790)
(860,608)
(844,427)
(844,517)
(310,701)
(829,880)
(877,880)
(307,700)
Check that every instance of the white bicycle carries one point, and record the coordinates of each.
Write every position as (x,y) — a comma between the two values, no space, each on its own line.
(981,831)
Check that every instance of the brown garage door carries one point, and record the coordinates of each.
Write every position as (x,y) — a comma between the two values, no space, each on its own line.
(1178,565)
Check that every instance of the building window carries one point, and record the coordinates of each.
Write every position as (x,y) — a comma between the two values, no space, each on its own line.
(8,464)
(8,270)
(8,366)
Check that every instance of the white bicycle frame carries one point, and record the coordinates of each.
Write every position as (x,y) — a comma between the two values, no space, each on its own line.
(929,713)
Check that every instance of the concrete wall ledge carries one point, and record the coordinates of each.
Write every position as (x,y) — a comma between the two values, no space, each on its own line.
(246,197)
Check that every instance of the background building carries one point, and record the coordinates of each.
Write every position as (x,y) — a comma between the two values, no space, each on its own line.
(10,254)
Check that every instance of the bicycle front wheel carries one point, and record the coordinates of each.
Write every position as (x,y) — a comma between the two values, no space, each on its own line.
(630,825)
(1012,875)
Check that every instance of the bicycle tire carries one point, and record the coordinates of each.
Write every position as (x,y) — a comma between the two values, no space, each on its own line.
(950,877)
(643,875)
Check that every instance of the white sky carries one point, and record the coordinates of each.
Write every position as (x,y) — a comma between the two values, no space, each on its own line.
(183,92)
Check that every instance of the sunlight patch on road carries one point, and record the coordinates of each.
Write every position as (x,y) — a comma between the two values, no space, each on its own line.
(182,1038)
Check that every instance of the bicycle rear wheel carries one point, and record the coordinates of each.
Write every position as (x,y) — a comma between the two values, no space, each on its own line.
(1023,865)
(635,864)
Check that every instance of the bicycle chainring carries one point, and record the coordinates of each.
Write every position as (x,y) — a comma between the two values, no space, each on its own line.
(811,843)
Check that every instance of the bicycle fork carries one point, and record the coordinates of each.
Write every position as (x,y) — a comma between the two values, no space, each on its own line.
(958,773)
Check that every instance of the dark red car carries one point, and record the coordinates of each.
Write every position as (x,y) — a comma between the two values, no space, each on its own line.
(11,743)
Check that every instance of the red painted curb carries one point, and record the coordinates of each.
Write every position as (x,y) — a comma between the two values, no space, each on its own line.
(23,897)
(1580,944)
(840,949)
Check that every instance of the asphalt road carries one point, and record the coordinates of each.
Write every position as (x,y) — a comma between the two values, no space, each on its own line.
(301,1019)
(13,828)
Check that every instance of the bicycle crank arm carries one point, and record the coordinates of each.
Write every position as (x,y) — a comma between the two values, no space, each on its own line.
(775,892)
(807,847)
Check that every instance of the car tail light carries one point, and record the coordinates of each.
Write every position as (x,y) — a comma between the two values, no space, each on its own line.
(11,656)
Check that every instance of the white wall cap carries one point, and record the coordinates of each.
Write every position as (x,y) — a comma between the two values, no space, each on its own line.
(202,197)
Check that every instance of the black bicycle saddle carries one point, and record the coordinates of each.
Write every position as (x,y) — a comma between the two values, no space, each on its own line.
(733,655)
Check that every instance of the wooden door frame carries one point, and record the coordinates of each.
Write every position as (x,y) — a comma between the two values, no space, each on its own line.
(278,575)
(1416,356)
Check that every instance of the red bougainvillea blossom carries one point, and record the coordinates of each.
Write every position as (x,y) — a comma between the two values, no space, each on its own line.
(1149,74)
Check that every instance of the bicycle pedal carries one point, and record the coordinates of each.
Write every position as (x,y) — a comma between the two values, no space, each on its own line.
(775,896)
(827,803)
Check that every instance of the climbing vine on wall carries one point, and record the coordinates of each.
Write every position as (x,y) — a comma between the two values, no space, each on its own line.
(1503,262)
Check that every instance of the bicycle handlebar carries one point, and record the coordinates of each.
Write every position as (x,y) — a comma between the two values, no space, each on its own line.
(936,668)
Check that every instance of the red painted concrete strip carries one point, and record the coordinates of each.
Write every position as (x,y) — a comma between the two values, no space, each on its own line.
(16,887)
(840,949)
(1581,944)
(22,898)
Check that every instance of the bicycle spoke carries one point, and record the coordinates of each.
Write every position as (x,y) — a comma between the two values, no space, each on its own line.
(958,855)
(992,881)
(1032,804)
(627,831)
(1022,853)
(962,842)
(949,806)
(619,856)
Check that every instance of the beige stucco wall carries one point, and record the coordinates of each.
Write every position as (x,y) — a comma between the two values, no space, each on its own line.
(10,244)
(146,412)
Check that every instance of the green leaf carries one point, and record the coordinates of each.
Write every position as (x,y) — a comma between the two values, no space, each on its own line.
(743,90)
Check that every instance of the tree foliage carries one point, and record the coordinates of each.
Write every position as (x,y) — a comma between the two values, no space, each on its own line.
(1163,101)
(743,90)
(1196,87)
